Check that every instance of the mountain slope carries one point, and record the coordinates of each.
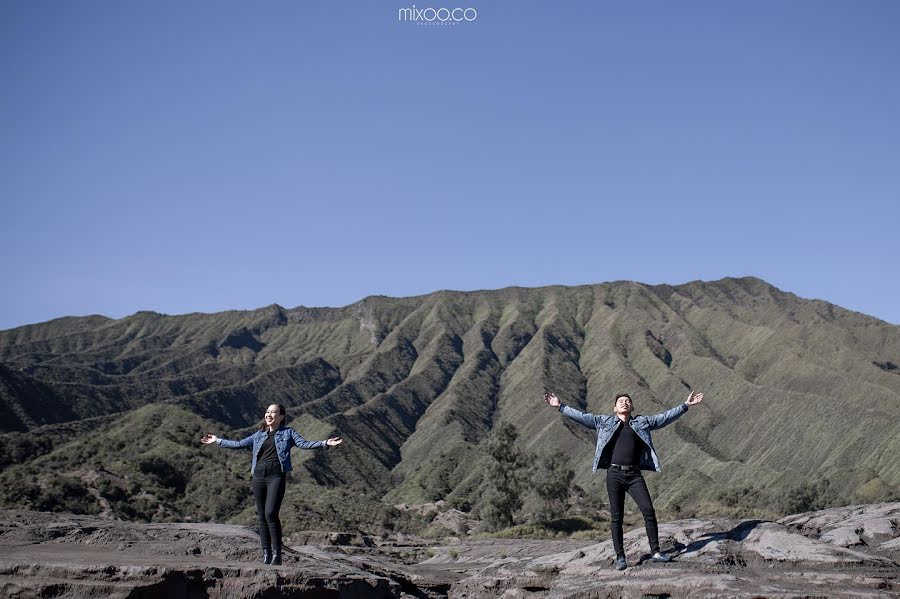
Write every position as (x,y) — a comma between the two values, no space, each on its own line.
(798,391)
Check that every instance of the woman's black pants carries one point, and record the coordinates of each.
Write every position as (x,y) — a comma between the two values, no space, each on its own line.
(268,491)
(619,482)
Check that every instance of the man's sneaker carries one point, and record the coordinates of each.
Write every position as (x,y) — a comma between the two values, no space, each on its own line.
(621,564)
(659,556)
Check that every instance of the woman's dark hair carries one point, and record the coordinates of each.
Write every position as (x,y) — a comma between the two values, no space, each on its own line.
(262,423)
(618,395)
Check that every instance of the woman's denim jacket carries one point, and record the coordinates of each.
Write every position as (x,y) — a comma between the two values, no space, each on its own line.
(285,438)
(642,425)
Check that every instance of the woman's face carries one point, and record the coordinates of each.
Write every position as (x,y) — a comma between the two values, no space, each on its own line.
(273,416)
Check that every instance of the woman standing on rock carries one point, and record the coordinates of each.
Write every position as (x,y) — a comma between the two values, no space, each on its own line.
(271,462)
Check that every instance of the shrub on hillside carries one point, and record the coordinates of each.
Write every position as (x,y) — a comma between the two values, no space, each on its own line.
(807,497)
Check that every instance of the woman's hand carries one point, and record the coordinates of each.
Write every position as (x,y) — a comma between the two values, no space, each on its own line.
(694,398)
(207,439)
(332,441)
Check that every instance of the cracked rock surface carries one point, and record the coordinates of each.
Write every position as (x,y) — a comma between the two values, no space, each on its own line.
(841,552)
(806,555)
(53,555)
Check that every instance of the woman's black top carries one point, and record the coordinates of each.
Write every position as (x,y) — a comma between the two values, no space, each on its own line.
(267,451)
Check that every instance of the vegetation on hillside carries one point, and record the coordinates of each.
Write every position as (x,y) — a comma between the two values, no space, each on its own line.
(438,400)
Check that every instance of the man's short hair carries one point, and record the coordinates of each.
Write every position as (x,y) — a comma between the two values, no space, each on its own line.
(618,395)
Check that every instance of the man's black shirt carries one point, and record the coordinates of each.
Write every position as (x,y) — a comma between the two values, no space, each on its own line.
(626,446)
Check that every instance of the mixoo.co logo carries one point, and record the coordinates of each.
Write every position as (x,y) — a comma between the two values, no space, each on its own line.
(436,16)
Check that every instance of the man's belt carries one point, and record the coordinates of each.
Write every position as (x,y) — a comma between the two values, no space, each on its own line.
(624,467)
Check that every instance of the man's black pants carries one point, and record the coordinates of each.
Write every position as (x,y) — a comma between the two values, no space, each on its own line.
(618,482)
(268,491)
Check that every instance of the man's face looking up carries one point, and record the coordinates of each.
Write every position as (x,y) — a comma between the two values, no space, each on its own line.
(624,405)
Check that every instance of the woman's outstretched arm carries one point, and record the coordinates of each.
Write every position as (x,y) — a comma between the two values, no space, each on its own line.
(207,439)
(302,443)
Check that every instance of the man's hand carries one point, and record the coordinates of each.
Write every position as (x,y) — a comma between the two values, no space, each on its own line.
(694,398)
(551,399)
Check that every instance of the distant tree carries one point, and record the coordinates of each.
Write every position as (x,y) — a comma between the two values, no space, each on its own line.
(503,481)
(551,481)
(435,482)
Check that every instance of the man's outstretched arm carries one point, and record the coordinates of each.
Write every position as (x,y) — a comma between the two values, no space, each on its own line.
(583,418)
(670,416)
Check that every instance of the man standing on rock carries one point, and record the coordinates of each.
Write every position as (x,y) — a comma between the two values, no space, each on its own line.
(624,448)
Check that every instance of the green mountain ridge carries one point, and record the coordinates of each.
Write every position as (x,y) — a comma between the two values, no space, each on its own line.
(798,391)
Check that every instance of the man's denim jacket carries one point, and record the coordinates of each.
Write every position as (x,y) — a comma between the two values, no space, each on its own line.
(285,438)
(642,425)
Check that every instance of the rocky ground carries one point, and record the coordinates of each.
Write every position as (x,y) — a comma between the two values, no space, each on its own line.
(841,552)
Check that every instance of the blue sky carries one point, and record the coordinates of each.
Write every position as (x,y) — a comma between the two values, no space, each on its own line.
(203,156)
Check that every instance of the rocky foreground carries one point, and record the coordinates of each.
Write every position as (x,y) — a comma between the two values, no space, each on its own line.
(841,552)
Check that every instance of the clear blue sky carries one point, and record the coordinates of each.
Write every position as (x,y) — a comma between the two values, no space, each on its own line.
(209,155)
